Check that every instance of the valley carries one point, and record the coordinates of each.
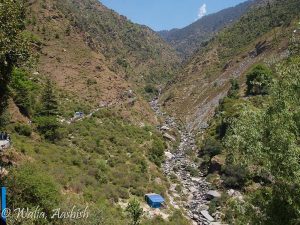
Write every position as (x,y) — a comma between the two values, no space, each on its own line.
(102,111)
(179,163)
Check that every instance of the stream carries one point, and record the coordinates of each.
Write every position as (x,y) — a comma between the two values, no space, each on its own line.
(178,162)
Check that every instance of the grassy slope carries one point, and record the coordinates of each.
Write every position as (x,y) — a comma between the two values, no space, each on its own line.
(204,80)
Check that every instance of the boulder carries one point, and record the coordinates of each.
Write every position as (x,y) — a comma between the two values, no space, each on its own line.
(169,155)
(206,215)
(213,194)
(230,192)
(165,128)
(169,137)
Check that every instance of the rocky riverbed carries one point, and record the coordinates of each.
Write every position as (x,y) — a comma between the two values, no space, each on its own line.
(178,162)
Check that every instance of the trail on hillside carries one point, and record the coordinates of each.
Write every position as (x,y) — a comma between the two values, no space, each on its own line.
(178,162)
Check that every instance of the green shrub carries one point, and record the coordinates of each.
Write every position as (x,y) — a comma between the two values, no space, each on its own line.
(29,187)
(234,89)
(156,154)
(24,130)
(49,127)
(259,80)
(150,89)
(212,148)
(235,176)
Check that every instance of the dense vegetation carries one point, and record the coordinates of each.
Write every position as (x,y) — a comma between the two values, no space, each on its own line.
(260,137)
(266,139)
(13,45)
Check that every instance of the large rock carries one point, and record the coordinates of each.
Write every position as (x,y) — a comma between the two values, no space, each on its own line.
(206,215)
(213,194)
(169,155)
(165,128)
(169,137)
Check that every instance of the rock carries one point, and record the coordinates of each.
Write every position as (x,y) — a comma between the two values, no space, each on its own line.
(3,172)
(193,189)
(213,194)
(230,192)
(169,155)
(165,128)
(195,216)
(169,137)
(206,215)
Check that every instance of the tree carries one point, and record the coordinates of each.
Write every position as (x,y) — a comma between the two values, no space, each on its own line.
(46,121)
(49,101)
(21,87)
(13,45)
(268,139)
(258,80)
(135,211)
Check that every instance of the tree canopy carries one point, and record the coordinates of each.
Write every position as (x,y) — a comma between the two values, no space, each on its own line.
(13,45)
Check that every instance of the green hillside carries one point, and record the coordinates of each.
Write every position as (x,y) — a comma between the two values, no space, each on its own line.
(262,33)
(77,131)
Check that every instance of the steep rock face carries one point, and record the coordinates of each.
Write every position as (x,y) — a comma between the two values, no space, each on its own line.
(188,39)
(260,35)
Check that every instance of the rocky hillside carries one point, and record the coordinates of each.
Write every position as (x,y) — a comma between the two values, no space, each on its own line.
(188,39)
(262,34)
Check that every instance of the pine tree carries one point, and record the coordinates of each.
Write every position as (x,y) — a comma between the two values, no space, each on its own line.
(47,123)
(49,101)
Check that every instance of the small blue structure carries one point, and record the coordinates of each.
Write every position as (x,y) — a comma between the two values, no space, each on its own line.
(154,200)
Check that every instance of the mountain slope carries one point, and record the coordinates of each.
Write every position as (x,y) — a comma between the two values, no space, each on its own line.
(101,160)
(190,38)
(204,80)
(133,50)
(97,55)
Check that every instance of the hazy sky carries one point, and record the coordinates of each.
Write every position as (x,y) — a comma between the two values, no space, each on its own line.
(167,14)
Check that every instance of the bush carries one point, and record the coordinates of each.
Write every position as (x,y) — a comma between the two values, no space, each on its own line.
(24,130)
(150,89)
(212,148)
(156,154)
(235,176)
(29,187)
(234,89)
(49,127)
(259,80)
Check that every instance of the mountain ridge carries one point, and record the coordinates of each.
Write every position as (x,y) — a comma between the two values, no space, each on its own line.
(190,38)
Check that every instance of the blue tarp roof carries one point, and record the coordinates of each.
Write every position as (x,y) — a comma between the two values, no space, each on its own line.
(155,198)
